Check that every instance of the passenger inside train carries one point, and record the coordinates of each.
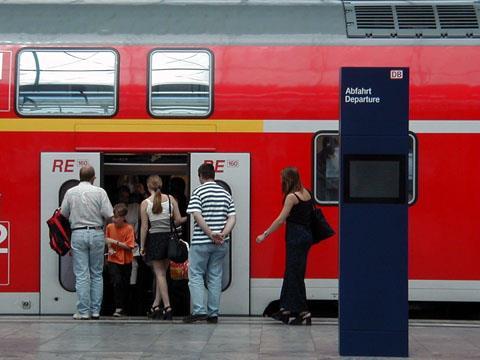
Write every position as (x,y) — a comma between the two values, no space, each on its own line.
(124,180)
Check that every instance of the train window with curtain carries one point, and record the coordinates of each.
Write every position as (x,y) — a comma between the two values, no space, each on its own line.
(67,82)
(180,83)
(326,168)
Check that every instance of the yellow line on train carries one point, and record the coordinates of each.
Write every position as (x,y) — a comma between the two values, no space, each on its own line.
(131,125)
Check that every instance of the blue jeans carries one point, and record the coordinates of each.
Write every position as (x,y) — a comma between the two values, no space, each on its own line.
(88,247)
(206,265)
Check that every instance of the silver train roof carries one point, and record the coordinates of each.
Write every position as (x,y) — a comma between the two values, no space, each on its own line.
(182,22)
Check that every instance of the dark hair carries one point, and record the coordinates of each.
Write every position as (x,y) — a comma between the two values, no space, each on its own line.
(120,209)
(291,180)
(206,171)
(87,173)
(177,186)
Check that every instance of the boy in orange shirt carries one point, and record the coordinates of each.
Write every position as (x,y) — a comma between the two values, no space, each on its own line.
(120,238)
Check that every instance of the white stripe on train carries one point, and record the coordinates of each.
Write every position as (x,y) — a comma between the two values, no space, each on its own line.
(416,126)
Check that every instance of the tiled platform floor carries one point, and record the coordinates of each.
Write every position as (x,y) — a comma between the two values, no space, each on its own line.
(232,338)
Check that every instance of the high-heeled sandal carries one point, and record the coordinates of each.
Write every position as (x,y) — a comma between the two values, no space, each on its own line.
(155,312)
(282,315)
(167,313)
(303,316)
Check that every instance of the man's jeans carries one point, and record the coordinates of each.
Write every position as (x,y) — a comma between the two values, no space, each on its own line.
(88,247)
(206,262)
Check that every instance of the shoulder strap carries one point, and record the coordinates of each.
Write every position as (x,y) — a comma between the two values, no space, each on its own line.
(173,228)
(311,199)
(169,205)
(170,213)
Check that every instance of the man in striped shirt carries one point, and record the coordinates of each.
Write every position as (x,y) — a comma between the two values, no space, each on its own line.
(214,213)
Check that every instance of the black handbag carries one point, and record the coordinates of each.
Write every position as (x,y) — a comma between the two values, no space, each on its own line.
(321,230)
(177,248)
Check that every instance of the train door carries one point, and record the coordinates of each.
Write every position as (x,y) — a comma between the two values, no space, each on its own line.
(233,172)
(59,172)
(129,171)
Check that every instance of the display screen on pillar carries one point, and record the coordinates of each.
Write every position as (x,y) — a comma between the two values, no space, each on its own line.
(375,179)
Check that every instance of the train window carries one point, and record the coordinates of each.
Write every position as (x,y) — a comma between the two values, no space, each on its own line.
(180,83)
(326,168)
(64,82)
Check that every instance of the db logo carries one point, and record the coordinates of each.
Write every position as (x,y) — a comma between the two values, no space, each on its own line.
(396,74)
(4,252)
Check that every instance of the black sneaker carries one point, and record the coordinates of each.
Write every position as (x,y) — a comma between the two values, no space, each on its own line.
(212,319)
(194,318)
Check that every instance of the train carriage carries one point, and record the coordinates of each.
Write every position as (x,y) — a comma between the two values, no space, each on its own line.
(252,86)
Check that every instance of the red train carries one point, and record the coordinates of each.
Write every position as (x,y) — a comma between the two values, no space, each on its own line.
(253,87)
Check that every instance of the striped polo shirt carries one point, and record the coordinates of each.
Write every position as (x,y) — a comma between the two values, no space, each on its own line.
(215,204)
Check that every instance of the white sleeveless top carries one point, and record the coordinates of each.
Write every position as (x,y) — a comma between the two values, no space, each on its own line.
(159,223)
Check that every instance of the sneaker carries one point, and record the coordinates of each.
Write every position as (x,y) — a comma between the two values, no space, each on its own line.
(95,316)
(78,316)
(212,319)
(194,318)
(118,313)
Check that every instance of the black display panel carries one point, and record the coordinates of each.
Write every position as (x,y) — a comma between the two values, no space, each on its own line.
(375,179)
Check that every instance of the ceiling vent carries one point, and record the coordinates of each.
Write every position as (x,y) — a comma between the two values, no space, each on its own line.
(415,17)
(375,19)
(457,17)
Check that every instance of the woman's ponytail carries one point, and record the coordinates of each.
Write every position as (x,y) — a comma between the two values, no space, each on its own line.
(157,202)
(154,183)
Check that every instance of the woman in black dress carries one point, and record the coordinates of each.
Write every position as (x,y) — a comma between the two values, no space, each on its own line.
(296,212)
(155,214)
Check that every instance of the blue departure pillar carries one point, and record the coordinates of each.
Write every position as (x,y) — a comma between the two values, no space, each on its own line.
(373,281)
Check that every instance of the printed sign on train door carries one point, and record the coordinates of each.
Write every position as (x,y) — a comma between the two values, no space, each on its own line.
(4,253)
(5,79)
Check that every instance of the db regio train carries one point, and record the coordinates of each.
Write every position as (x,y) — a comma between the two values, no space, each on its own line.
(158,87)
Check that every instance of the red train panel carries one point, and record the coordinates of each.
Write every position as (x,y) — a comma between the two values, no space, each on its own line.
(284,83)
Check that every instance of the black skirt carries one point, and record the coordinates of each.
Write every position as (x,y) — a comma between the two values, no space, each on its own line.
(156,246)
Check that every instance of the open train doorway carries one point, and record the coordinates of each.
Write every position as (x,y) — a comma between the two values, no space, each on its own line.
(117,171)
(125,180)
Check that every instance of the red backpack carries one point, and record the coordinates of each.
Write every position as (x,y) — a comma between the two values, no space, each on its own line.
(59,233)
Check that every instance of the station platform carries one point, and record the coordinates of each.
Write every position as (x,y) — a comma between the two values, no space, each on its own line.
(242,338)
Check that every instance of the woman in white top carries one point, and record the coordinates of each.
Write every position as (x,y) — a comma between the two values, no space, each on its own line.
(154,240)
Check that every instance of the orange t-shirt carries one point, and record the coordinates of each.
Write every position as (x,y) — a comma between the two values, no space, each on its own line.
(123,234)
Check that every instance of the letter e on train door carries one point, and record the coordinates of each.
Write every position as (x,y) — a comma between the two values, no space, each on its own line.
(59,172)
(232,171)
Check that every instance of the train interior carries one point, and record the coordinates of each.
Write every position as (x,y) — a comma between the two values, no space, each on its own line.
(124,179)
